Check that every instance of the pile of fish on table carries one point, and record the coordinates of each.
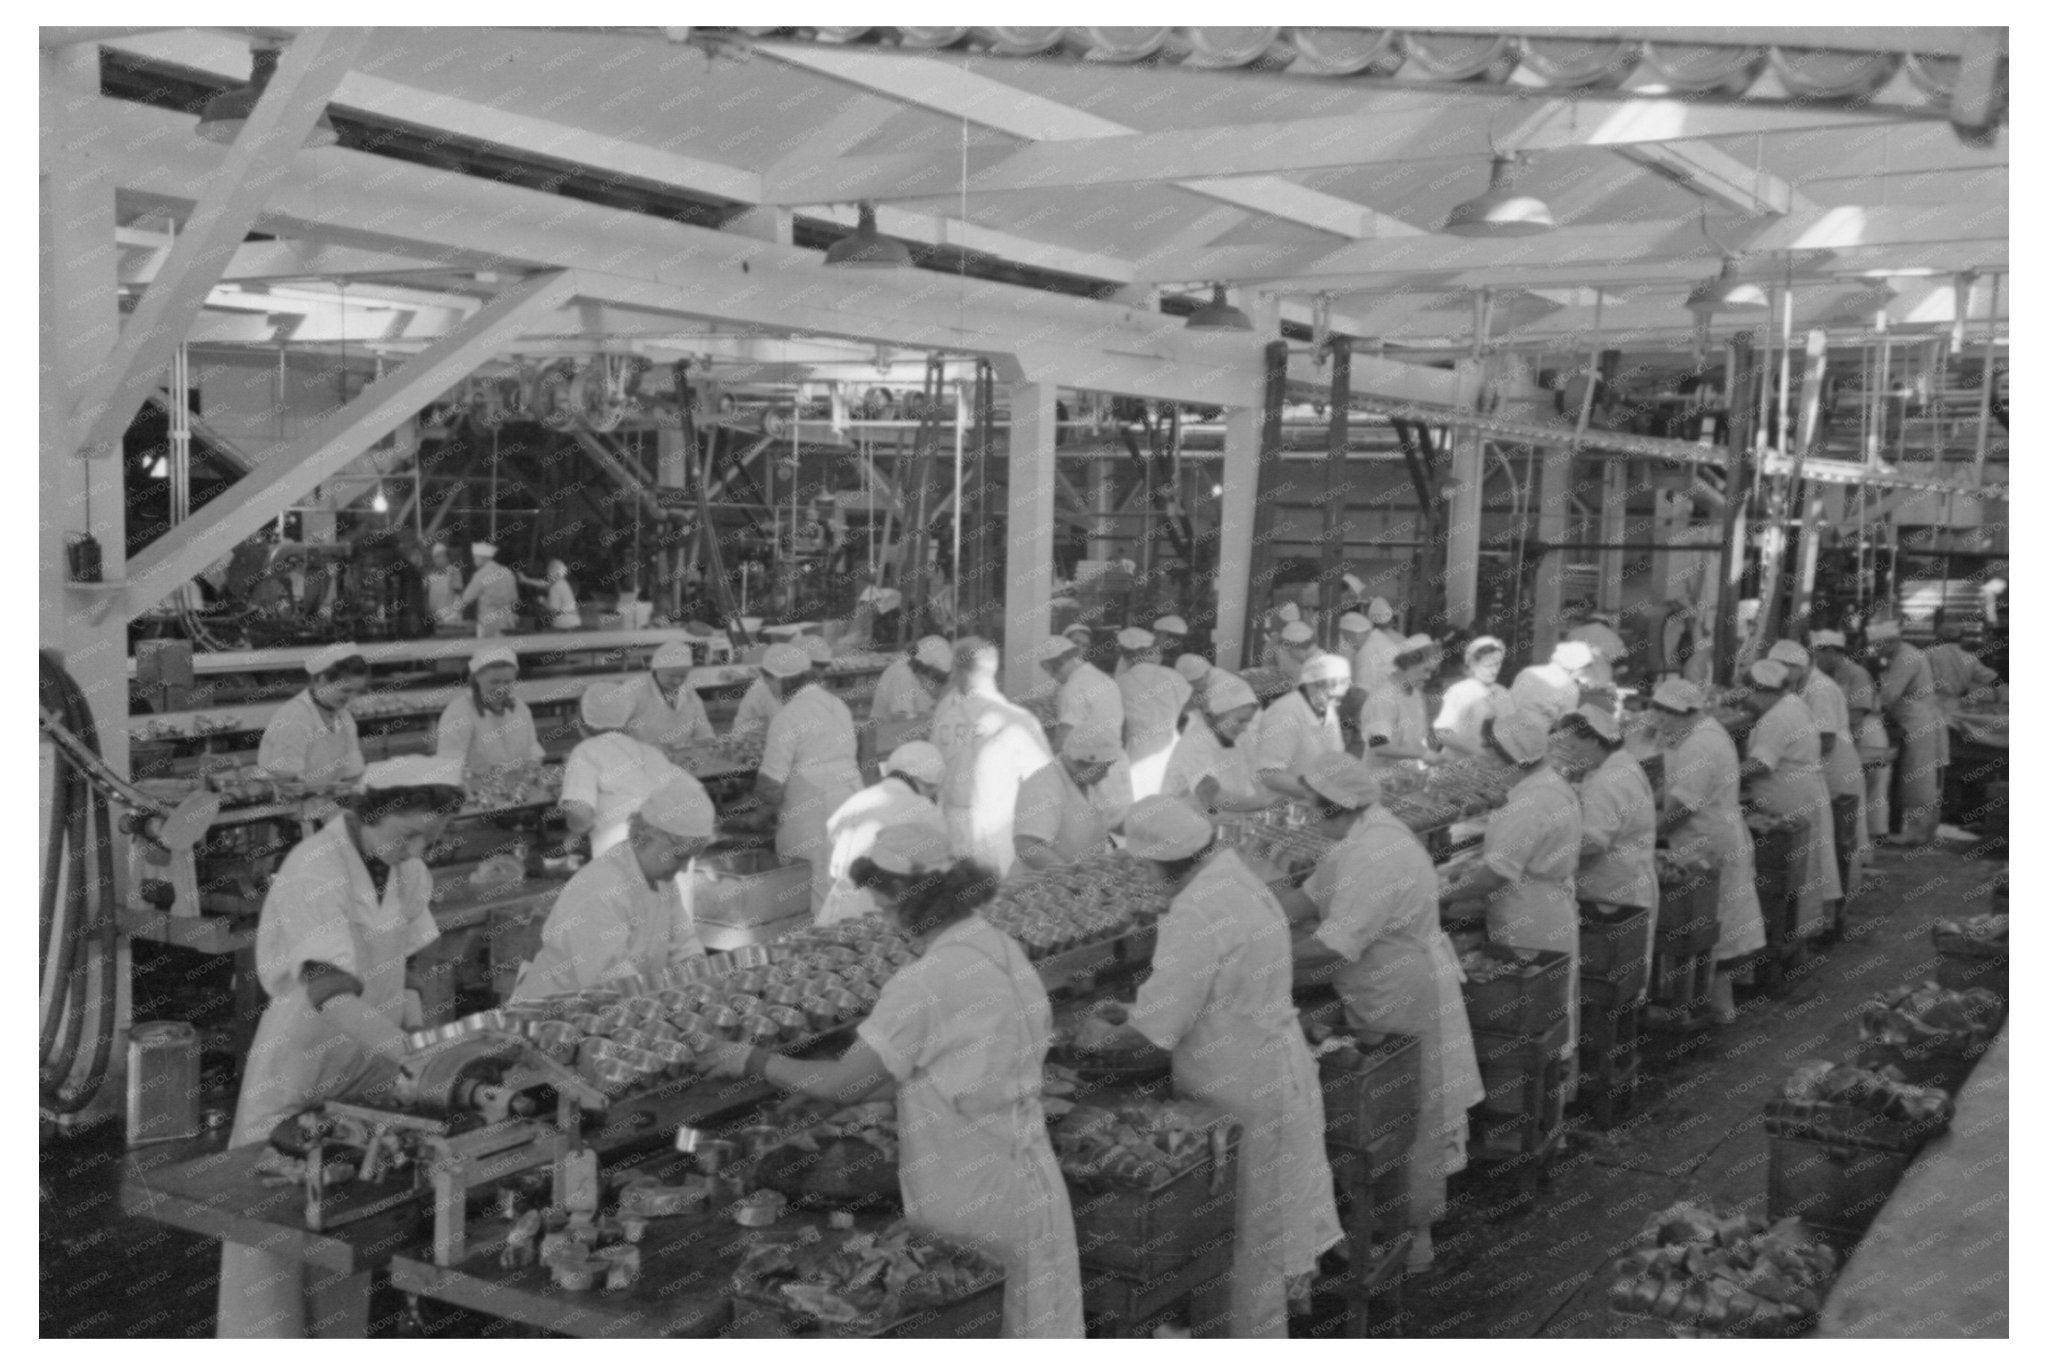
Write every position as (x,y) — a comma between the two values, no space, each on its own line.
(855,1279)
(1703,1272)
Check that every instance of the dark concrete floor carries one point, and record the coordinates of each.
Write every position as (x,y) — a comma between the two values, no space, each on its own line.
(1507,1265)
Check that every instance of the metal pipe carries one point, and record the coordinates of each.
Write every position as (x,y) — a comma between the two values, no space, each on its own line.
(1984,379)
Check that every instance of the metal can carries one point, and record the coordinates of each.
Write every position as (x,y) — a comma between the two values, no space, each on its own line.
(163,1082)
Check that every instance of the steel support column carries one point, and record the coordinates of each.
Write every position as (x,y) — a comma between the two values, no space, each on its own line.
(1027,604)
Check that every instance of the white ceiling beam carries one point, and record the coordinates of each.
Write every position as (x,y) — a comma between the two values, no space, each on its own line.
(292,469)
(225,207)
(256,261)
(951,232)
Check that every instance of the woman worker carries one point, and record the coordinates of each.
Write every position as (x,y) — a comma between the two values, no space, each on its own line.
(997,747)
(1057,822)
(1375,894)
(1220,998)
(911,777)
(1395,720)
(1298,727)
(808,763)
(628,911)
(667,712)
(1474,699)
(1154,697)
(910,687)
(488,729)
(1211,766)
(1526,874)
(1702,819)
(1617,815)
(343,914)
(561,596)
(312,737)
(1785,777)
(610,773)
(960,1035)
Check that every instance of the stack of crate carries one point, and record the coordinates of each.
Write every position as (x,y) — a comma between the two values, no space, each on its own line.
(1777,840)
(1372,1096)
(1519,1026)
(1682,963)
(1614,978)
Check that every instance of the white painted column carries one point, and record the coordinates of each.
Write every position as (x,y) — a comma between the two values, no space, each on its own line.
(1234,546)
(1553,524)
(1027,589)
(1461,547)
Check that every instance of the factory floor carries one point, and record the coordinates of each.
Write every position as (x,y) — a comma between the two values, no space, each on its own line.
(1508,1265)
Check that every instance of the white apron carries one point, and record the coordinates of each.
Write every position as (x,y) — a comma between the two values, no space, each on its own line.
(1796,786)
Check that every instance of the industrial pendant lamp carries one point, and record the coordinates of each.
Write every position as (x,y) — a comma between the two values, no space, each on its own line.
(1218,316)
(222,119)
(867,248)
(1501,211)
(1724,293)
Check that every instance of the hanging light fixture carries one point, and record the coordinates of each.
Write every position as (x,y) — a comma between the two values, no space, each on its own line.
(1501,211)
(1218,316)
(222,119)
(1724,293)
(1866,300)
(867,248)
(380,504)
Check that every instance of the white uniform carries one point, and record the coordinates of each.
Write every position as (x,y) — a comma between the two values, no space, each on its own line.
(1546,689)
(1533,841)
(1609,649)
(562,606)
(1090,704)
(1051,808)
(810,750)
(1372,666)
(852,830)
(900,694)
(1468,705)
(1200,754)
(613,774)
(488,743)
(609,922)
(1618,816)
(756,708)
(1291,736)
(1703,775)
(1153,699)
(322,907)
(495,590)
(444,591)
(668,727)
(1397,715)
(1843,765)
(1005,747)
(316,747)
(1786,741)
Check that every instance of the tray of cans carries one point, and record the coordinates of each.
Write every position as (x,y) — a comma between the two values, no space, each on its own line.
(1093,901)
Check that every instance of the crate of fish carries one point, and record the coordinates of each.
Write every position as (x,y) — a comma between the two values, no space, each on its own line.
(1614,946)
(1698,1271)
(1972,952)
(1929,1034)
(745,887)
(900,1282)
(1515,990)
(1688,906)
(1372,1084)
(1852,1106)
(1153,1183)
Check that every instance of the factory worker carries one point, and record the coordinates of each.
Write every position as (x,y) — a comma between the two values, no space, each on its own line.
(1212,767)
(1220,999)
(1905,694)
(1055,822)
(808,763)
(488,728)
(1840,764)
(1375,901)
(1528,869)
(1549,690)
(1873,746)
(667,712)
(1170,633)
(911,778)
(344,912)
(1395,721)
(1153,699)
(1088,699)
(627,912)
(1595,629)
(1617,814)
(1002,748)
(494,589)
(1082,636)
(1353,629)
(1372,666)
(961,1035)
(952,732)
(1283,613)
(1702,820)
(1956,671)
(444,585)
(1474,699)
(1783,770)
(312,737)
(1195,670)
(763,697)
(910,687)
(1301,725)
(560,595)
(610,773)
(1297,647)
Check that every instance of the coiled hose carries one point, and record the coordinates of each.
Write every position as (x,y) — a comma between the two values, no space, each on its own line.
(77,922)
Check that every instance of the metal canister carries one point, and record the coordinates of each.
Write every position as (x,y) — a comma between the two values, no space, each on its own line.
(163,1082)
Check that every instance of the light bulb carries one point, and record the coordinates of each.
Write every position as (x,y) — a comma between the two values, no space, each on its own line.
(1215,490)
(380,503)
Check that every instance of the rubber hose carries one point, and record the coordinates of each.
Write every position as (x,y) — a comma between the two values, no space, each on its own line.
(58,918)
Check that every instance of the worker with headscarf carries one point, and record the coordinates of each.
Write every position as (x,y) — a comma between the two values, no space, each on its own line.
(1301,725)
(1088,699)
(1170,635)
(1212,767)
(1372,665)
(1527,873)
(1595,629)
(1056,823)
(1297,647)
(910,686)
(628,912)
(1617,815)
(1841,766)
(1956,671)
(1474,699)
(487,727)
(1154,698)
(1394,724)
(346,910)
(312,738)
(610,773)
(1195,671)
(1702,820)
(494,589)
(960,1036)
(1873,749)
(667,712)
(1374,895)
(763,697)
(1220,999)
(911,777)
(1783,770)
(1549,690)
(1000,746)
(808,762)
(1905,693)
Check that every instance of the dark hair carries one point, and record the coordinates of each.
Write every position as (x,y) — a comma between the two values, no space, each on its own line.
(354,666)
(1488,738)
(431,799)
(1579,725)
(1326,809)
(866,876)
(941,899)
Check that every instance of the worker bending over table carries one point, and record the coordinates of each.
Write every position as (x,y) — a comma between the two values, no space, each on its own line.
(911,777)
(1056,823)
(1372,658)
(1394,723)
(667,712)
(312,738)
(493,588)
(1003,747)
(1474,699)
(610,773)
(1212,765)
(1088,699)
(1549,690)
(808,763)
(1154,697)
(1617,815)
(1298,727)
(1905,692)
(910,686)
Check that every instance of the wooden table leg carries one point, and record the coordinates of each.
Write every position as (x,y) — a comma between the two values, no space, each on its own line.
(337,1305)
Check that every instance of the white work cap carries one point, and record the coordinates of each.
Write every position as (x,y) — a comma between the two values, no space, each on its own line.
(1379,611)
(1193,667)
(1600,720)
(1289,612)
(1353,584)
(328,656)
(1790,652)
(680,807)
(1676,694)
(1354,622)
(1326,668)
(934,653)
(1133,638)
(673,654)
(785,661)
(887,600)
(1058,647)
(1170,625)
(607,706)
(1828,639)
(413,770)
(493,654)
(816,648)
(1881,630)
(482,549)
(1768,673)
(1088,746)
(1087,635)
(1226,692)
(1296,633)
(1572,654)
(1165,829)
(1485,644)
(919,759)
(1522,735)
(1348,782)
(910,849)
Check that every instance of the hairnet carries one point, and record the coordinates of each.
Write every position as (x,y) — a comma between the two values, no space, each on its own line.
(1379,611)
(1346,781)
(1226,692)
(785,661)
(1522,735)
(1058,647)
(493,654)
(909,849)
(1170,625)
(1133,638)
(680,807)
(1296,633)
(1572,654)
(935,653)
(1326,668)
(919,759)
(673,654)
(1164,829)
(1790,652)
(607,706)
(328,656)
(1768,673)
(1676,694)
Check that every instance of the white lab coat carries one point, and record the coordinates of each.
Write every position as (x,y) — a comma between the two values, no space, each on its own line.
(756,708)
(608,922)
(1050,807)
(1153,699)
(1199,754)
(1786,741)
(495,590)
(1468,704)
(562,605)
(304,742)
(852,830)
(1291,736)
(1546,689)
(1398,715)
(1703,774)
(1533,841)
(670,728)
(1372,664)
(613,774)
(489,744)
(1090,704)
(900,694)
(1005,747)
(1618,816)
(810,750)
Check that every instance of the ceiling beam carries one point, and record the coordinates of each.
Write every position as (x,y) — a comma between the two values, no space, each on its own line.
(937,231)
(275,260)
(224,209)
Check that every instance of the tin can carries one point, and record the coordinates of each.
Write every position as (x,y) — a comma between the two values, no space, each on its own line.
(163,1082)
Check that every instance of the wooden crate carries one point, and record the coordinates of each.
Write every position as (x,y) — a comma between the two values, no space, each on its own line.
(1382,1096)
(1513,1069)
(1524,1004)
(1151,1231)
(1614,946)
(980,1314)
